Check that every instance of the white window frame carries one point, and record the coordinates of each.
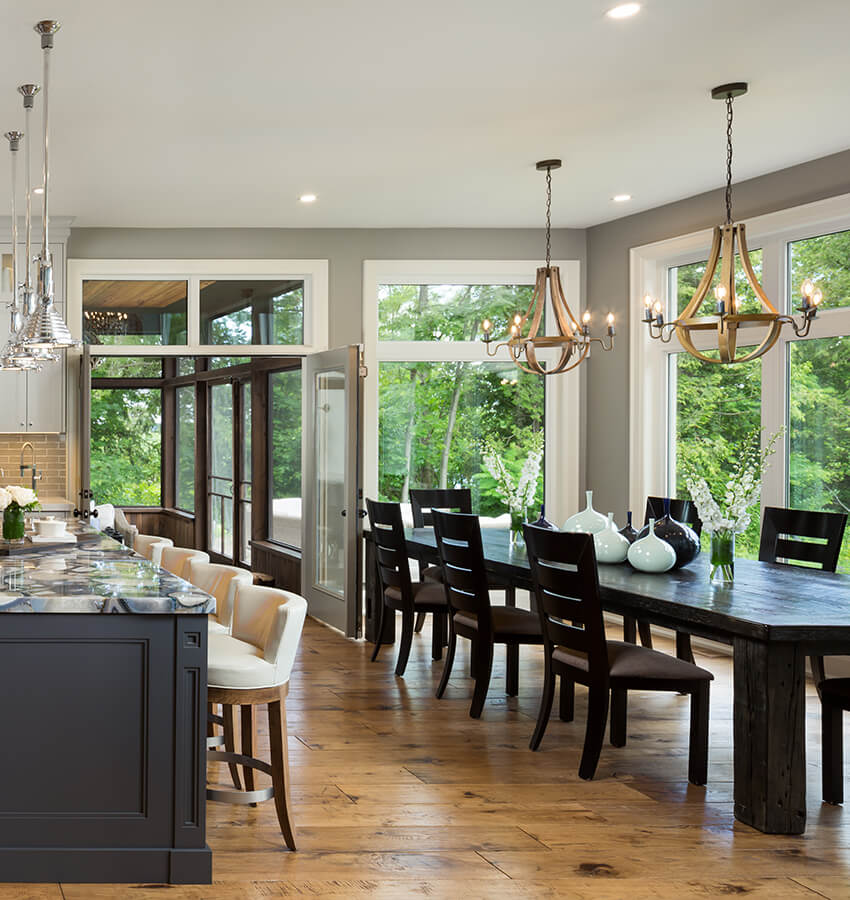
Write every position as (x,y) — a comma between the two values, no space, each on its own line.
(651,412)
(564,392)
(314,273)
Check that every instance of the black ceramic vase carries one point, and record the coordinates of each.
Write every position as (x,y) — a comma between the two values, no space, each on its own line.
(543,522)
(679,536)
(628,532)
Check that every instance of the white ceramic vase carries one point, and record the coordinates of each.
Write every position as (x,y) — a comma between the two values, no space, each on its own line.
(611,546)
(588,521)
(651,554)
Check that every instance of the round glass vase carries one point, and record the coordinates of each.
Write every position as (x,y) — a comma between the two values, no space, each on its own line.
(13,523)
(517,539)
(722,570)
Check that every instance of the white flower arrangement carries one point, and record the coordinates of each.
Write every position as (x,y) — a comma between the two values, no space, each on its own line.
(15,495)
(518,493)
(741,491)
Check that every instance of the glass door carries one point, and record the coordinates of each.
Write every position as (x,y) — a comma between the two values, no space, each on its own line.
(220,487)
(331,493)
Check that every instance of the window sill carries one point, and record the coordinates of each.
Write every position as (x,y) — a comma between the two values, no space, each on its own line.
(280,549)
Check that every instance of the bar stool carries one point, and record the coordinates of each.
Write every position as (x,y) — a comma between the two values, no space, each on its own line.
(144,544)
(222,582)
(247,668)
(176,560)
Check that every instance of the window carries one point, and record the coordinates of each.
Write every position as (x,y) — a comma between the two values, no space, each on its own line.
(221,469)
(126,446)
(134,312)
(690,414)
(285,456)
(439,402)
(184,475)
(252,312)
(245,481)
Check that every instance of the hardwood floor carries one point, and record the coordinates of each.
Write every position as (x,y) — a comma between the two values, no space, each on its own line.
(397,794)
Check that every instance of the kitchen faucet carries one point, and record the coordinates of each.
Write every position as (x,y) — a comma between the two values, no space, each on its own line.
(36,475)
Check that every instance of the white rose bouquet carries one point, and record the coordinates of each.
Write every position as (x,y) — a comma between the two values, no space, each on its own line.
(15,495)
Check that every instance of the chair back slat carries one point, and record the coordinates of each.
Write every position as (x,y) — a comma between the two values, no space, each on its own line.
(783,532)
(391,550)
(424,501)
(566,587)
(462,557)
(681,510)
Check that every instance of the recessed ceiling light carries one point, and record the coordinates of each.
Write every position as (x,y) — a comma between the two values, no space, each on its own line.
(621,198)
(307,198)
(624,11)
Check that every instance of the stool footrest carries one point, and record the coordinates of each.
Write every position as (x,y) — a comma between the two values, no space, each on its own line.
(222,795)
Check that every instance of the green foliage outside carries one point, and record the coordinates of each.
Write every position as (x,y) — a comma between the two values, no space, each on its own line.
(283,315)
(185,455)
(436,417)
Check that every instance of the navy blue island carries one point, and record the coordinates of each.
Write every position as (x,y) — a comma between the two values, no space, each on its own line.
(103,682)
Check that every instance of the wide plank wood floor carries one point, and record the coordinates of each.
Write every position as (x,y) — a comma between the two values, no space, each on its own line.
(397,794)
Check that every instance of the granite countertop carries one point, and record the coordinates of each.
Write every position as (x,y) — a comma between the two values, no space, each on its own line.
(95,575)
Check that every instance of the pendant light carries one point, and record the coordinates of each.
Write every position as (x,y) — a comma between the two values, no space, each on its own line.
(526,331)
(727,319)
(45,329)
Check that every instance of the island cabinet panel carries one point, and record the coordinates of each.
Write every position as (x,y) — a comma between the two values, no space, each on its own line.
(102,765)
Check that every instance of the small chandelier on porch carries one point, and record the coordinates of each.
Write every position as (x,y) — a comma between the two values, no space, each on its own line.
(526,331)
(727,319)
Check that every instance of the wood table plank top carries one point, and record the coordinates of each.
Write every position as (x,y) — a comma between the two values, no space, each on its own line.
(767,601)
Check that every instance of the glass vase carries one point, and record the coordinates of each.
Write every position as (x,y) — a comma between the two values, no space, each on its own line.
(722,557)
(517,539)
(13,523)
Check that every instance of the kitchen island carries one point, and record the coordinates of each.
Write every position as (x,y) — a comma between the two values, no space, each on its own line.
(103,669)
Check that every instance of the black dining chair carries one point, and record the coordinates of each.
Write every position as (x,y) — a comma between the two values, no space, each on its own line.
(566,585)
(471,615)
(398,591)
(682,511)
(799,536)
(835,699)
(423,501)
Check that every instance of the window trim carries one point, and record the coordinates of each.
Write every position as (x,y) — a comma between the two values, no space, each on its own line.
(564,394)
(650,409)
(314,273)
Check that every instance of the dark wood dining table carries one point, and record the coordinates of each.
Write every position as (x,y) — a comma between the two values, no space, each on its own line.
(774,616)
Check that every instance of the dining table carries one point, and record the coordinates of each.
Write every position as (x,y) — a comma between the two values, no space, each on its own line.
(773,616)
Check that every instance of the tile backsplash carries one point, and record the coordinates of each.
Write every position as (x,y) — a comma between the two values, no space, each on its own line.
(49,460)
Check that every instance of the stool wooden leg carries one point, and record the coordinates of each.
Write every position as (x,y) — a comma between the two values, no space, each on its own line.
(280,770)
(248,744)
(227,712)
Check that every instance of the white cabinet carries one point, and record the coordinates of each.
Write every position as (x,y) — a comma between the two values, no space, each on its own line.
(32,401)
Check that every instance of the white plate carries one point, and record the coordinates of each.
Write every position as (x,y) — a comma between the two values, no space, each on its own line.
(60,539)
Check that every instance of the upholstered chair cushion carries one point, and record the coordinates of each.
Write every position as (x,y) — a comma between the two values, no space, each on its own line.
(176,559)
(222,582)
(105,517)
(144,542)
(631,661)
(270,620)
(127,531)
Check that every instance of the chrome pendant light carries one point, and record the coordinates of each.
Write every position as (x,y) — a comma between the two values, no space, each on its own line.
(729,240)
(527,337)
(45,329)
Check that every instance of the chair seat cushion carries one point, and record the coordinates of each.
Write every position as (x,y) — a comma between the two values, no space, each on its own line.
(215,627)
(237,664)
(629,661)
(425,593)
(508,622)
(836,691)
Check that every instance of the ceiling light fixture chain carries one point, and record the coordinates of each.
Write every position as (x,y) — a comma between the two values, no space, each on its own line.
(729,241)
(528,332)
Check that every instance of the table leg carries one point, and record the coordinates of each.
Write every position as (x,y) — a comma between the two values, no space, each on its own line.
(770,739)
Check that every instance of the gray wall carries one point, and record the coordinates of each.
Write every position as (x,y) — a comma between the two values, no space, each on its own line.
(607,438)
(345,248)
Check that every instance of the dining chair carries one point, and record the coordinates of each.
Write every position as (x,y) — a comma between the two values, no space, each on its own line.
(176,560)
(682,511)
(144,544)
(835,699)
(423,502)
(398,591)
(799,536)
(566,584)
(471,615)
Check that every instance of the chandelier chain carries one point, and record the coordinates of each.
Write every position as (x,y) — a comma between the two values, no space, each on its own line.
(548,215)
(729,160)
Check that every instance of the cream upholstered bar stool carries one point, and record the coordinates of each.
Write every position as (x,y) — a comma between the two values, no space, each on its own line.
(222,582)
(251,667)
(176,560)
(144,545)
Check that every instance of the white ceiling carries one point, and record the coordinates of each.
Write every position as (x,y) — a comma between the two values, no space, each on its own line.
(401,114)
